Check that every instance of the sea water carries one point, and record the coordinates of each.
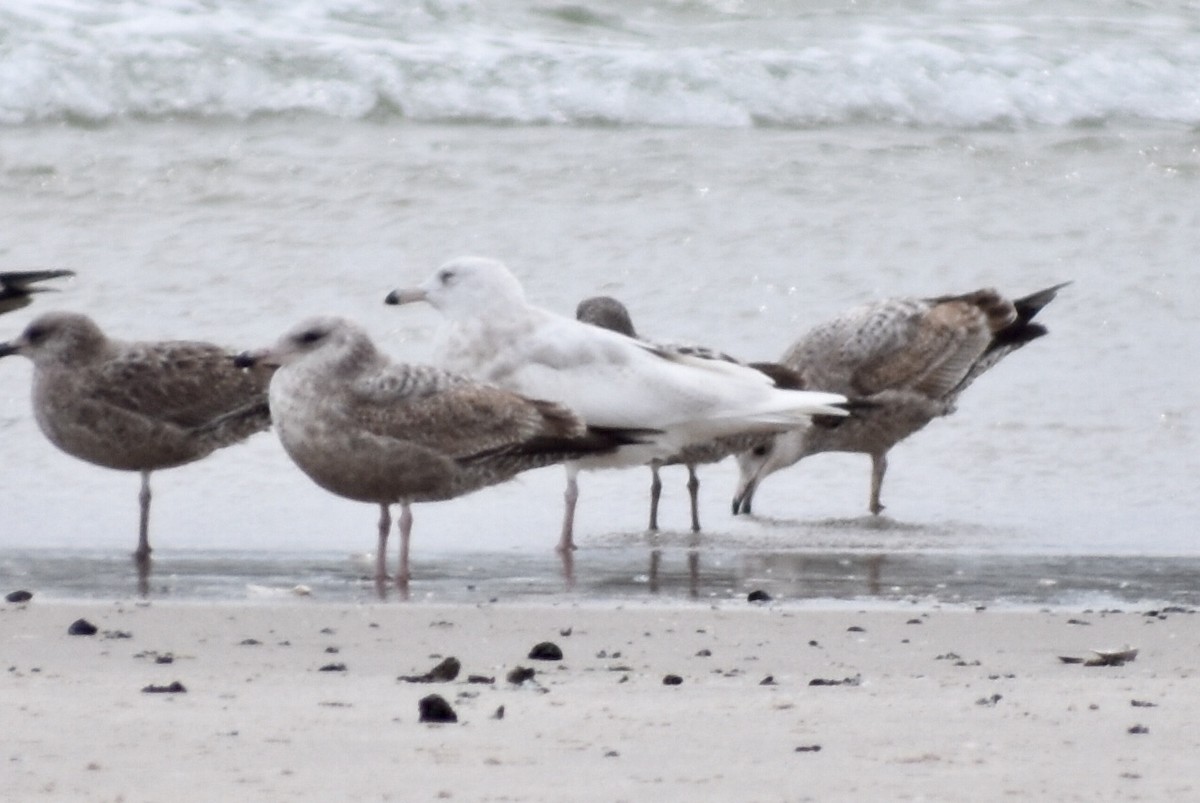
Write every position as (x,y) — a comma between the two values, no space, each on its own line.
(734,171)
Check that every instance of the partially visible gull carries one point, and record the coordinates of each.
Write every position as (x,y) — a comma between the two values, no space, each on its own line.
(136,406)
(493,334)
(16,290)
(909,359)
(369,429)
(609,313)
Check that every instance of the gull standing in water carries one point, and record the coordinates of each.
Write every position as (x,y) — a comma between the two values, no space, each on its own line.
(137,406)
(15,290)
(609,313)
(368,429)
(909,359)
(494,335)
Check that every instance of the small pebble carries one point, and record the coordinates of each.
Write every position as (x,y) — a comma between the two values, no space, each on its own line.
(499,713)
(434,708)
(809,748)
(82,627)
(1139,729)
(333,668)
(546,651)
(520,674)
(672,680)
(18,596)
(175,688)
(758,595)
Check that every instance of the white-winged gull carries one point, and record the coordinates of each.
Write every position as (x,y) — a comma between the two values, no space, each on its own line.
(611,314)
(136,406)
(369,429)
(909,359)
(493,334)
(17,286)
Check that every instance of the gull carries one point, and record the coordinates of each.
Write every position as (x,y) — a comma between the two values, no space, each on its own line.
(15,290)
(136,406)
(609,313)
(909,359)
(494,335)
(369,429)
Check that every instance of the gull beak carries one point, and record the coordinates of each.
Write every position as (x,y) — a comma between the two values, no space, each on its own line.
(9,348)
(406,296)
(252,359)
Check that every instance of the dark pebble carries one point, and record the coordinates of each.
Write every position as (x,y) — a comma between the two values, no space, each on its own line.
(758,595)
(769,680)
(1139,729)
(1070,659)
(546,651)
(164,659)
(914,622)
(480,679)
(856,629)
(333,668)
(705,653)
(175,688)
(809,748)
(1078,622)
(117,634)
(249,642)
(434,708)
(19,596)
(854,681)
(672,680)
(521,674)
(445,671)
(332,650)
(1143,704)
(499,713)
(989,701)
(82,627)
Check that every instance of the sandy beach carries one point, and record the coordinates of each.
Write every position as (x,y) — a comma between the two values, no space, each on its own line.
(303,700)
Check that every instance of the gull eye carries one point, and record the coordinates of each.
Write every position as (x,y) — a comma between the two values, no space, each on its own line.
(35,334)
(446,276)
(760,450)
(311,336)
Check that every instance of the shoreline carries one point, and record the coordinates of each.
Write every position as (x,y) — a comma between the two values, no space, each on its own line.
(909,703)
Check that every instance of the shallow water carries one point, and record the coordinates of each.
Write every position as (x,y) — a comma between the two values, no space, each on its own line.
(230,224)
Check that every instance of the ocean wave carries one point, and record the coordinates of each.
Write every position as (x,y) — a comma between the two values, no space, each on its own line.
(530,63)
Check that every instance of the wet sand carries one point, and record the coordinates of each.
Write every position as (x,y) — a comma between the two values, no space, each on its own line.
(301,700)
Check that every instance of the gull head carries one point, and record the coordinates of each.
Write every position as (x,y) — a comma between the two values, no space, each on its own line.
(773,453)
(324,339)
(58,337)
(465,287)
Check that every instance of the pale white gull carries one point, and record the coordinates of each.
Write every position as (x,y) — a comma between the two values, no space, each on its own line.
(611,314)
(16,288)
(137,406)
(909,359)
(372,430)
(493,334)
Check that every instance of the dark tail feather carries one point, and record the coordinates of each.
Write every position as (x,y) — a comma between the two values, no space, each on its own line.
(783,377)
(1013,336)
(557,448)
(1032,304)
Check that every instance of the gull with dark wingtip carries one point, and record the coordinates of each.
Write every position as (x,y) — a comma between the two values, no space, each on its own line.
(372,430)
(137,406)
(609,313)
(909,359)
(494,335)
(17,286)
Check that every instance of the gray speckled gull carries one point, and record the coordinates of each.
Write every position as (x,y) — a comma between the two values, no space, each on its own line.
(909,359)
(136,406)
(366,428)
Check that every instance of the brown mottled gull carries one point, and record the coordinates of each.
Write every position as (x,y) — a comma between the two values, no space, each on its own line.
(611,314)
(493,334)
(909,359)
(368,429)
(136,406)
(15,289)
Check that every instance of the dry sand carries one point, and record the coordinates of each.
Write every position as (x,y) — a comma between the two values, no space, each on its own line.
(942,704)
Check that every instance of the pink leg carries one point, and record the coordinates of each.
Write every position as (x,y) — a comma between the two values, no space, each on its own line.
(655,493)
(878,467)
(385,524)
(406,520)
(570,497)
(142,555)
(693,486)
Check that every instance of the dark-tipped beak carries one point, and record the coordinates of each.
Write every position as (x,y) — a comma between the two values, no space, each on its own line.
(8,348)
(406,296)
(247,359)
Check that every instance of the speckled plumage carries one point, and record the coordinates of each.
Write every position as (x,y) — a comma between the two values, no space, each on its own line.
(909,359)
(368,429)
(136,406)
